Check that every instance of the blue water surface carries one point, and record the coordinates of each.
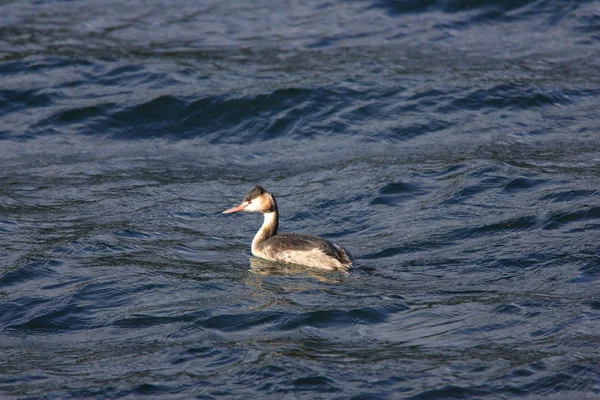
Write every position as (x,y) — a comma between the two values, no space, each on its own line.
(451,146)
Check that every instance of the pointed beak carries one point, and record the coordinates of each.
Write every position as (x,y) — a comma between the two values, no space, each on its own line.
(236,208)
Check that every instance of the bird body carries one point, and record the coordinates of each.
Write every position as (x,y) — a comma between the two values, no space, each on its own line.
(308,250)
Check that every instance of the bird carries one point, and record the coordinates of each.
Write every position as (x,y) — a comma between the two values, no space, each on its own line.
(290,248)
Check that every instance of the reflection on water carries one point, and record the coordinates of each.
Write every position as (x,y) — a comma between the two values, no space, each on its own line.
(264,267)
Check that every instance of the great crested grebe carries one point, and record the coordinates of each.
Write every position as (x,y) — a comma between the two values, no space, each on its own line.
(308,250)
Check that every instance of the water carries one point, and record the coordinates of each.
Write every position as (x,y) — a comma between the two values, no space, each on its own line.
(451,146)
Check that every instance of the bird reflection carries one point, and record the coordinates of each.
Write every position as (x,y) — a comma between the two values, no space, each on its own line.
(264,267)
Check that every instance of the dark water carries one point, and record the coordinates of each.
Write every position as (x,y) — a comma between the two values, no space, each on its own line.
(452,146)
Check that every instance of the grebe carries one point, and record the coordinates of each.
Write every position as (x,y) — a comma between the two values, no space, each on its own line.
(311,251)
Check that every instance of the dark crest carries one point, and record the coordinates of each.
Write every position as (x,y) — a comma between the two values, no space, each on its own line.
(254,193)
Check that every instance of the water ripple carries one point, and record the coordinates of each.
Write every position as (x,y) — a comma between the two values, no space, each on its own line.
(450,145)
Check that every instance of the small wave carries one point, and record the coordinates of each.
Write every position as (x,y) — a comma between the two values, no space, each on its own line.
(100,246)
(16,100)
(218,119)
(285,321)
(508,96)
(520,223)
(569,195)
(75,115)
(395,7)
(32,269)
(559,219)
(396,192)
(61,319)
(522,183)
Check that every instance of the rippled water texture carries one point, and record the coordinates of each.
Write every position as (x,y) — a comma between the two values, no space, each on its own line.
(451,146)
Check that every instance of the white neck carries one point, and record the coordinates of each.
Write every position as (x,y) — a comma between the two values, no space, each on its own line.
(267,230)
